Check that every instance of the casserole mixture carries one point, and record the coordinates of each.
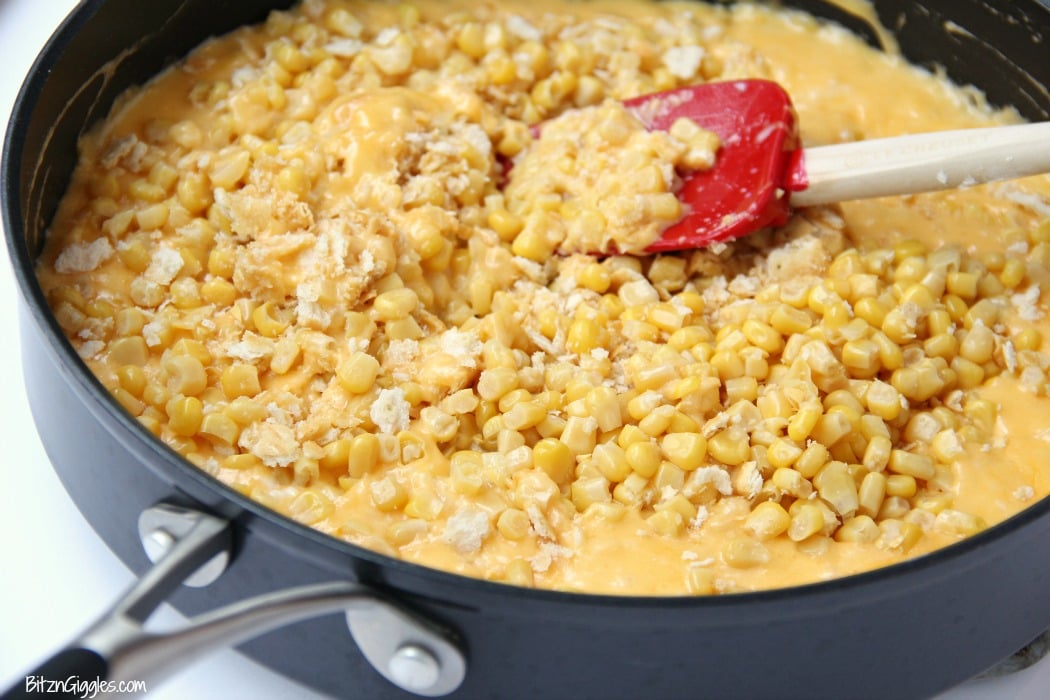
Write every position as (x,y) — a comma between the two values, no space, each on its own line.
(299,259)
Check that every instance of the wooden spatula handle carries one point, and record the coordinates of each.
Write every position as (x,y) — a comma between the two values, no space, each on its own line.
(922,163)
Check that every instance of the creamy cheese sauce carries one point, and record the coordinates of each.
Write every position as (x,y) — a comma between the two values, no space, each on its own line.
(312,209)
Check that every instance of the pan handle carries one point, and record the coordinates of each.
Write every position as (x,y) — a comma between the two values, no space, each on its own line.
(116,654)
(59,675)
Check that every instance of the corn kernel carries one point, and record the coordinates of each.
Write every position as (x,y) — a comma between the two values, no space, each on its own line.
(357,374)
(787,320)
(395,304)
(808,521)
(129,351)
(588,491)
(911,464)
(782,453)
(836,486)
(335,456)
(898,535)
(669,523)
(978,345)
(685,450)
(555,458)
(859,529)
(132,379)
(388,494)
(185,414)
(1028,339)
(792,483)
(240,380)
(266,321)
(877,453)
(812,460)
(767,520)
(611,462)
(729,447)
(513,524)
(186,375)
(744,554)
(802,423)
(957,522)
(861,354)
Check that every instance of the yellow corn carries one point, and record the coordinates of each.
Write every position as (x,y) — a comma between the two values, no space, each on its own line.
(335,456)
(792,483)
(611,462)
(494,383)
(831,427)
(424,504)
(185,414)
(861,355)
(872,491)
(911,464)
(129,351)
(898,534)
(860,529)
(700,581)
(363,454)
(763,336)
(388,494)
(1028,339)
(604,406)
(767,520)
(835,485)
(782,453)
(685,450)
(220,429)
(266,322)
(132,379)
(513,524)
(901,486)
(519,573)
(240,380)
(957,522)
(744,554)
(395,304)
(802,423)
(555,458)
(787,320)
(978,344)
(357,374)
(807,522)
(812,460)
(877,454)
(186,375)
(244,410)
(643,456)
(588,491)
(730,447)
(669,523)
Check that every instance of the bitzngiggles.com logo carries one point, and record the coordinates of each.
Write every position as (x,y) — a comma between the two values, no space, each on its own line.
(81,687)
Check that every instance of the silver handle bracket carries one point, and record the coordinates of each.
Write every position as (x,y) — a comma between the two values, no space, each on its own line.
(409,651)
(163,525)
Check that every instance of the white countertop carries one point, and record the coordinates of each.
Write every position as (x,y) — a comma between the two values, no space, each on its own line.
(57,575)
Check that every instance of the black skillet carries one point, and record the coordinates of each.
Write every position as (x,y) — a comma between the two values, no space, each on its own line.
(907,631)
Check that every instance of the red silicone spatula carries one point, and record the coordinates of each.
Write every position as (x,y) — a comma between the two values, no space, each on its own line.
(761,171)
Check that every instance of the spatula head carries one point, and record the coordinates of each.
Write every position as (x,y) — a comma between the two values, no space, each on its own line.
(744,190)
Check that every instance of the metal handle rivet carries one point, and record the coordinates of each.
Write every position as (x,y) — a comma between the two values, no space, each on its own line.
(414,668)
(163,526)
(157,543)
